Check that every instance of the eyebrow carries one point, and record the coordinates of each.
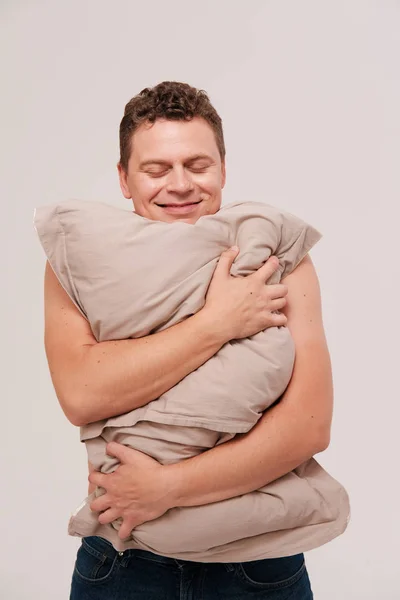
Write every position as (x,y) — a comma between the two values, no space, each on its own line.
(191,159)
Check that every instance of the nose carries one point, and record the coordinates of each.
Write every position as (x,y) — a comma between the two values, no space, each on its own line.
(179,181)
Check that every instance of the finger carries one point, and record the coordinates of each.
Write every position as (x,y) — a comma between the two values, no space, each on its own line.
(110,515)
(123,453)
(98,478)
(126,528)
(279,320)
(277,290)
(267,269)
(225,262)
(277,304)
(101,503)
(127,455)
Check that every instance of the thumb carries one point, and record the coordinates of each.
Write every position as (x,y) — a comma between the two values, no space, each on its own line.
(123,453)
(266,271)
(226,261)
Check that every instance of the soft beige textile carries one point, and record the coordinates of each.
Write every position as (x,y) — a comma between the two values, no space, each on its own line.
(130,277)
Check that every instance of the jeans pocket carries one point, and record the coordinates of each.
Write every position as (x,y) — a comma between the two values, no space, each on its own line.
(272,573)
(96,560)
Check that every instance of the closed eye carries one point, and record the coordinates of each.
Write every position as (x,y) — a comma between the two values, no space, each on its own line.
(162,173)
(157,173)
(198,169)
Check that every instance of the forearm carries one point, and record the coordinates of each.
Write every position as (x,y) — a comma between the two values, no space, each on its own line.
(288,434)
(118,376)
(242,465)
(94,381)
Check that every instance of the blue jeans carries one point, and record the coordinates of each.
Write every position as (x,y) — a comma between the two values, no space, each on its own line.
(102,573)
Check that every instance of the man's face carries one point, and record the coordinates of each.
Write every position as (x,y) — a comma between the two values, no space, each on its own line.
(175,171)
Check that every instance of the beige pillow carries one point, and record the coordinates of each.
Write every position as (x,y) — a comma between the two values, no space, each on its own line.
(130,277)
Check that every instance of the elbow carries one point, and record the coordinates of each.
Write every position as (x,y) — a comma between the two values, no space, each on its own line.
(75,410)
(75,418)
(313,437)
(321,445)
(321,440)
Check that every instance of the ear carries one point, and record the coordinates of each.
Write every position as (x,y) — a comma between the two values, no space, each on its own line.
(223,172)
(123,181)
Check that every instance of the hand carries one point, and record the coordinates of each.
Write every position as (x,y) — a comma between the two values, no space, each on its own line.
(244,306)
(138,491)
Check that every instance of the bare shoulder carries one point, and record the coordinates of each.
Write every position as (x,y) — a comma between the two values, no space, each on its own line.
(303,308)
(64,324)
(311,386)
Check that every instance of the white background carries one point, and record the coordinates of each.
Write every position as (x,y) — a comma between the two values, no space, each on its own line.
(309,93)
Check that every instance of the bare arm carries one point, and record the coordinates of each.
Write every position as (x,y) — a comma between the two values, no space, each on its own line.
(94,381)
(289,433)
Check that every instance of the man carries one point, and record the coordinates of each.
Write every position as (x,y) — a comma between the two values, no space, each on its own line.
(172,166)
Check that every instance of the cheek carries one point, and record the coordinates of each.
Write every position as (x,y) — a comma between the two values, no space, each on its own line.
(146,189)
(212,185)
(153,188)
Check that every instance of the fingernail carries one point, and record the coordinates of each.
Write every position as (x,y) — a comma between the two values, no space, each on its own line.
(235,248)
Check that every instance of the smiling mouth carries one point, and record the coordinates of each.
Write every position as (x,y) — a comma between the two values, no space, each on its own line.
(179,205)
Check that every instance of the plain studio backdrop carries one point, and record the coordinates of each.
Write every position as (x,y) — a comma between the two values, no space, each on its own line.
(309,94)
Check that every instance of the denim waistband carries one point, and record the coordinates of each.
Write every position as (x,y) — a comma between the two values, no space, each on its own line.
(103,546)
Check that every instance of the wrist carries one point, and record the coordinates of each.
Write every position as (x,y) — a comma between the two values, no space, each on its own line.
(173,481)
(215,327)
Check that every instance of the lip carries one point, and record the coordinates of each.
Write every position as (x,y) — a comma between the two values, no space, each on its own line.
(181,209)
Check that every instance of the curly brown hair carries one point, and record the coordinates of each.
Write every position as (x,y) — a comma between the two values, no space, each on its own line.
(167,100)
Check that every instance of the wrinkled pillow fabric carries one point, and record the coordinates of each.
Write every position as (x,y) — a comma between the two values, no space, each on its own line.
(130,277)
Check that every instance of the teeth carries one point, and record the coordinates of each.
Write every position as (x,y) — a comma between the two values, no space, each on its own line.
(177,205)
